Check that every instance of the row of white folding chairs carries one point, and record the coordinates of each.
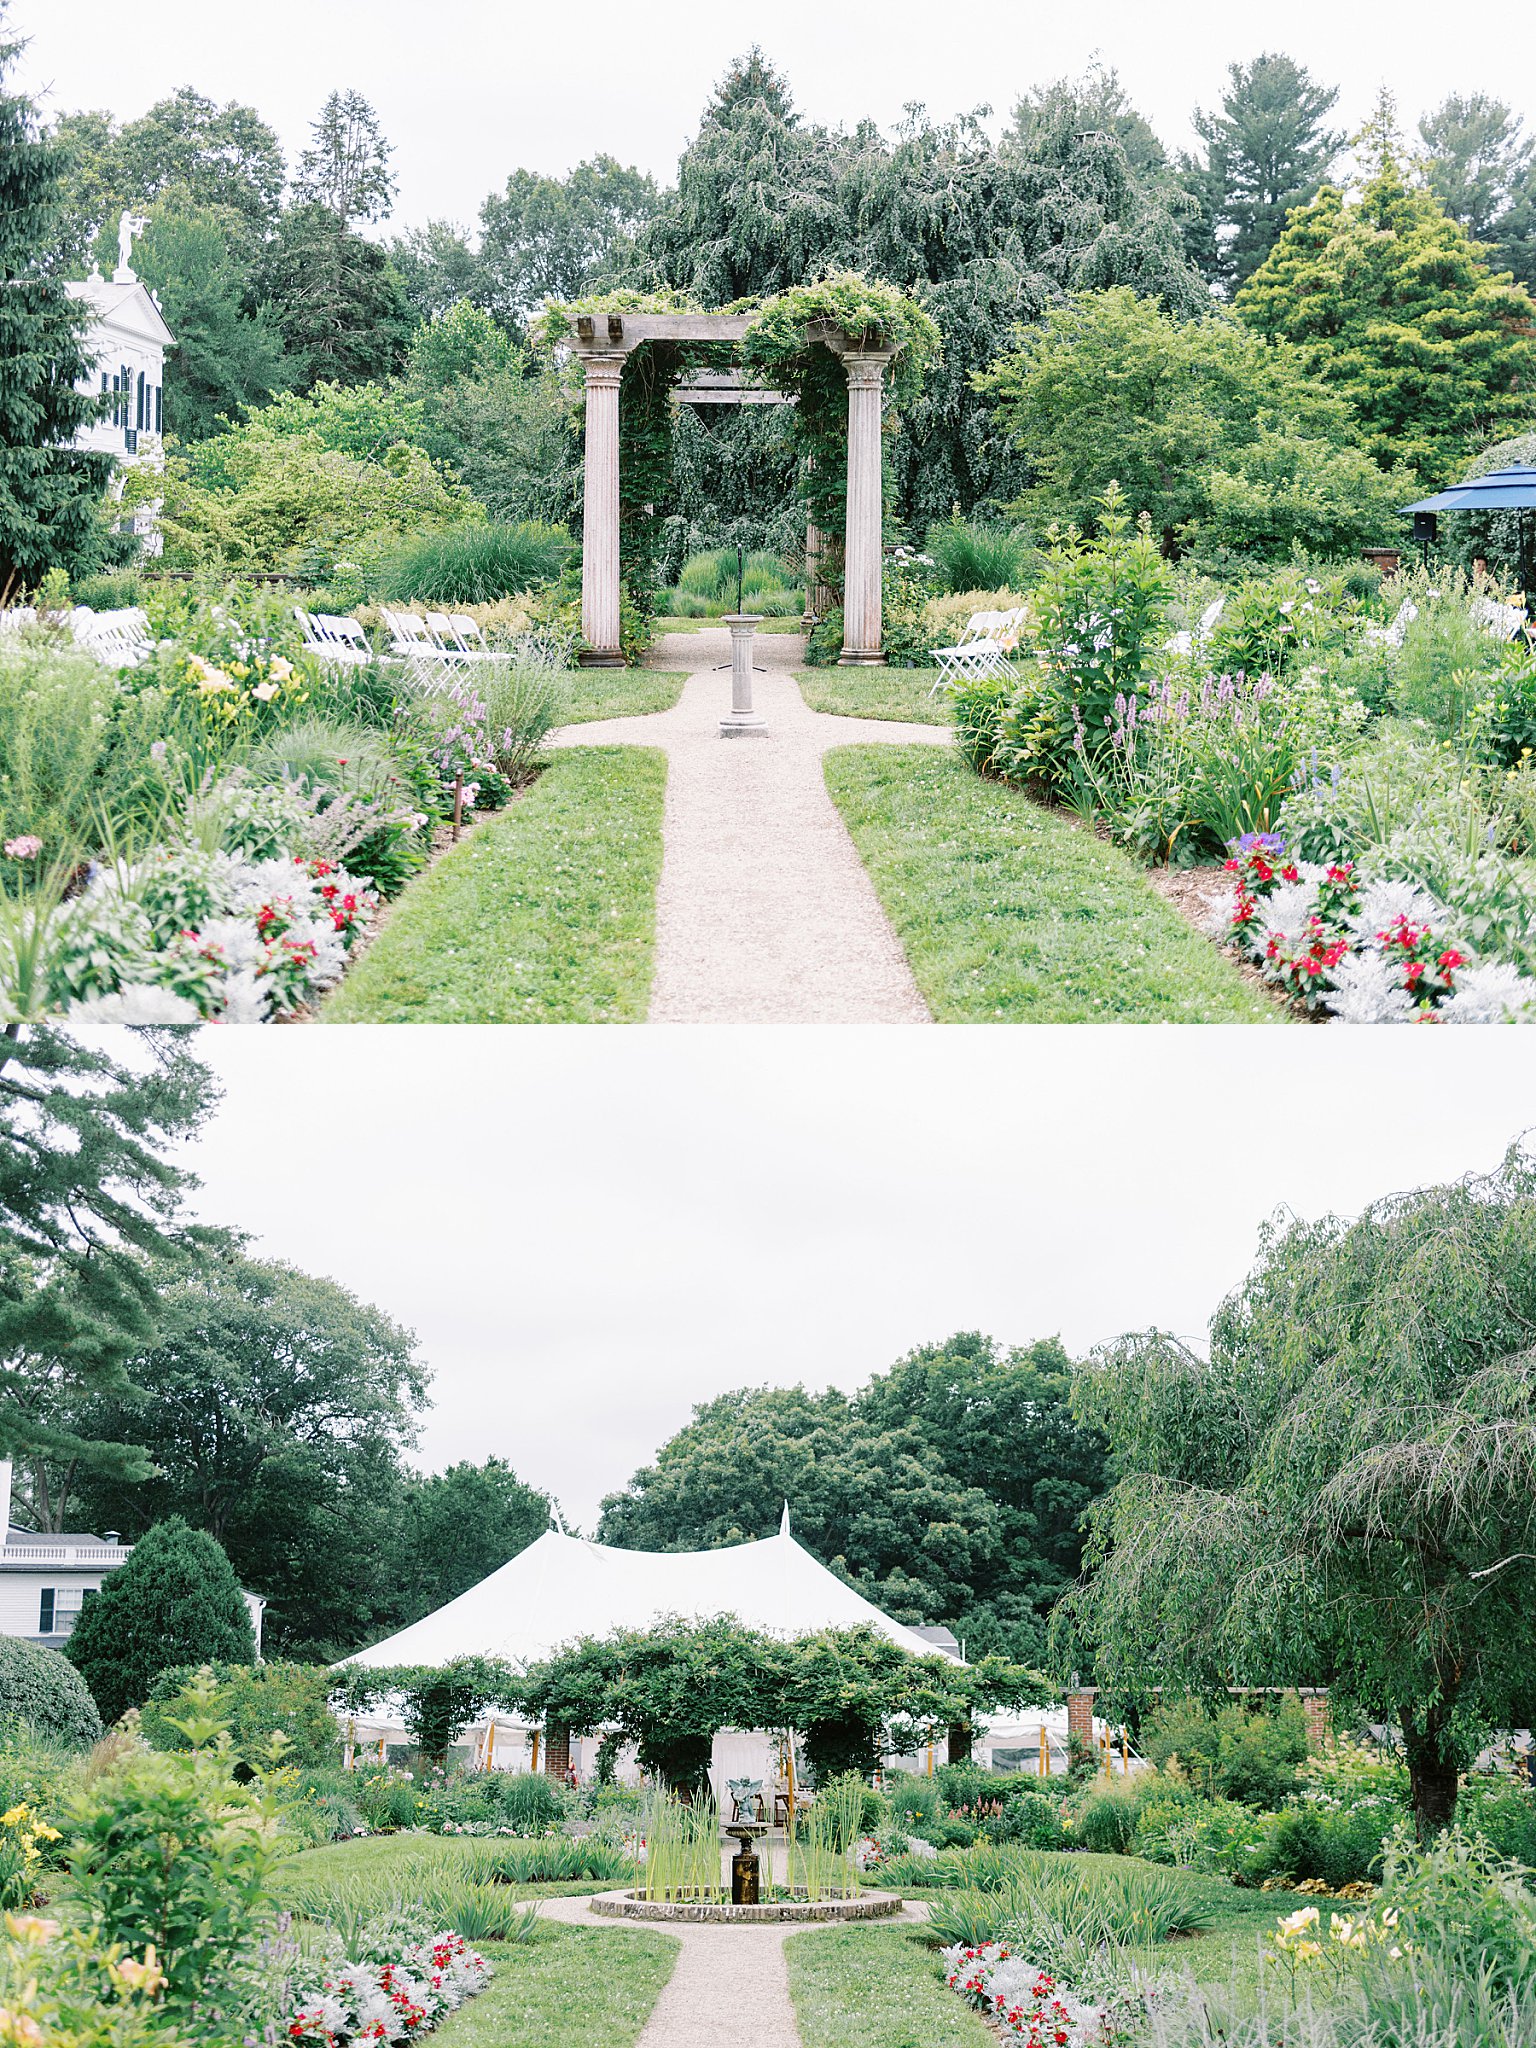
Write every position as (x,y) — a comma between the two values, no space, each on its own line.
(983,649)
(448,636)
(119,637)
(340,642)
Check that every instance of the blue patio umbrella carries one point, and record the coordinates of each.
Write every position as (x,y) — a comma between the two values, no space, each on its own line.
(1502,490)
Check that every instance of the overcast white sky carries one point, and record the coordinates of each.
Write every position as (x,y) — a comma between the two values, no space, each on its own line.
(592,1230)
(468,90)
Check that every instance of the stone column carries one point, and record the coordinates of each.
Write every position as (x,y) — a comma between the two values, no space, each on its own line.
(600,514)
(865,370)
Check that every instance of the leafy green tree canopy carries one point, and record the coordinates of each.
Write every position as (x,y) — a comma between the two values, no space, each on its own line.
(337,300)
(1217,435)
(176,1601)
(345,169)
(188,149)
(552,238)
(227,357)
(1344,1491)
(949,1489)
(1394,305)
(274,1405)
(461,1525)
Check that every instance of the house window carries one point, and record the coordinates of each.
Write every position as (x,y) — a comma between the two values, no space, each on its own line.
(158,428)
(58,1609)
(138,403)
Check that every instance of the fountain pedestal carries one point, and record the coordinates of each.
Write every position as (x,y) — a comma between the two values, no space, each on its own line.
(745,1870)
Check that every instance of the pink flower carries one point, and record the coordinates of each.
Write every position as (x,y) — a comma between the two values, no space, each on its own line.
(26,847)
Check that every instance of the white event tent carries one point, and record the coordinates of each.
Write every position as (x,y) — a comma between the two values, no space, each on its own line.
(563,1587)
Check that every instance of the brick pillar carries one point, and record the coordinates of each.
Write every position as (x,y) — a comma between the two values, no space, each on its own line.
(557,1753)
(1080,1713)
(1314,1704)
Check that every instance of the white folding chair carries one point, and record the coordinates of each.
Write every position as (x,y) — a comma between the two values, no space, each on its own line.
(471,638)
(343,639)
(445,633)
(983,649)
(413,644)
(120,637)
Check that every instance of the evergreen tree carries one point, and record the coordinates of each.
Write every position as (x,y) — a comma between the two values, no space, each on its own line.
(335,298)
(227,357)
(1267,151)
(87,1196)
(1482,167)
(1395,307)
(1096,101)
(176,1601)
(50,492)
(346,166)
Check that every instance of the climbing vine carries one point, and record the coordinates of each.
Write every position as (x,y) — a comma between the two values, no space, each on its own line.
(782,342)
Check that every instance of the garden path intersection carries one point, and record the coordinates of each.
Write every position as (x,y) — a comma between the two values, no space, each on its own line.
(764,911)
(729,1983)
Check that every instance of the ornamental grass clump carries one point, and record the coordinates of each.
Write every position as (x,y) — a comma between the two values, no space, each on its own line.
(821,1855)
(682,1850)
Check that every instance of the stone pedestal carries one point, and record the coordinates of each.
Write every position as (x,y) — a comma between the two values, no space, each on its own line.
(600,514)
(865,370)
(742,722)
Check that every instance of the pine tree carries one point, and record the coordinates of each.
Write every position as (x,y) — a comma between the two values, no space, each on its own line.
(336,299)
(1482,167)
(346,167)
(176,1601)
(86,1193)
(1395,306)
(50,492)
(1266,152)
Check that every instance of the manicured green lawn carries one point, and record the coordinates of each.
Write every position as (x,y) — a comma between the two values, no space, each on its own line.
(876,1987)
(569,1987)
(545,915)
(1013,914)
(371,1856)
(622,693)
(900,693)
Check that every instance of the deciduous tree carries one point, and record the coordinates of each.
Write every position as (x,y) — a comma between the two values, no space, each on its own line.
(1343,1491)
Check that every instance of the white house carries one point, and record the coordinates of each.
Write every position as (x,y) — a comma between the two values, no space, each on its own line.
(127,344)
(44,1579)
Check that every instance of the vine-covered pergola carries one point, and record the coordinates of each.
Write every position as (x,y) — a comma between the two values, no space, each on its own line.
(807,347)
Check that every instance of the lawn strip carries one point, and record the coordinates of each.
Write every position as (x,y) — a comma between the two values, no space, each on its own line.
(545,915)
(671,624)
(876,1987)
(899,693)
(567,1987)
(622,693)
(1010,913)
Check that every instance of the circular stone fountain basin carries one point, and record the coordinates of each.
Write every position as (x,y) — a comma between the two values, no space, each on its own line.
(635,1906)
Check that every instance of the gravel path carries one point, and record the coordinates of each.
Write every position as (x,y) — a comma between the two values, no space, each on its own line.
(764,913)
(731,1984)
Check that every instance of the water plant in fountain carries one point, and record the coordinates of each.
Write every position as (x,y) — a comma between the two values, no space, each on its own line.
(682,1850)
(821,1864)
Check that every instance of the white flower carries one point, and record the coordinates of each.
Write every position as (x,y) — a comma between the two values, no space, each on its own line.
(1368,989)
(1496,994)
(135,1004)
(1383,901)
(245,1000)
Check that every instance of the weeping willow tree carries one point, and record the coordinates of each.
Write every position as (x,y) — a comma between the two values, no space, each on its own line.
(984,234)
(1344,1490)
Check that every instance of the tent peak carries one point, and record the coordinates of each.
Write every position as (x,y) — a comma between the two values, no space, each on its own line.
(784,1520)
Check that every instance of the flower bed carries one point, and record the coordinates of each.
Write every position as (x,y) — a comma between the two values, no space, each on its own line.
(1371,952)
(395,2000)
(1028,2006)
